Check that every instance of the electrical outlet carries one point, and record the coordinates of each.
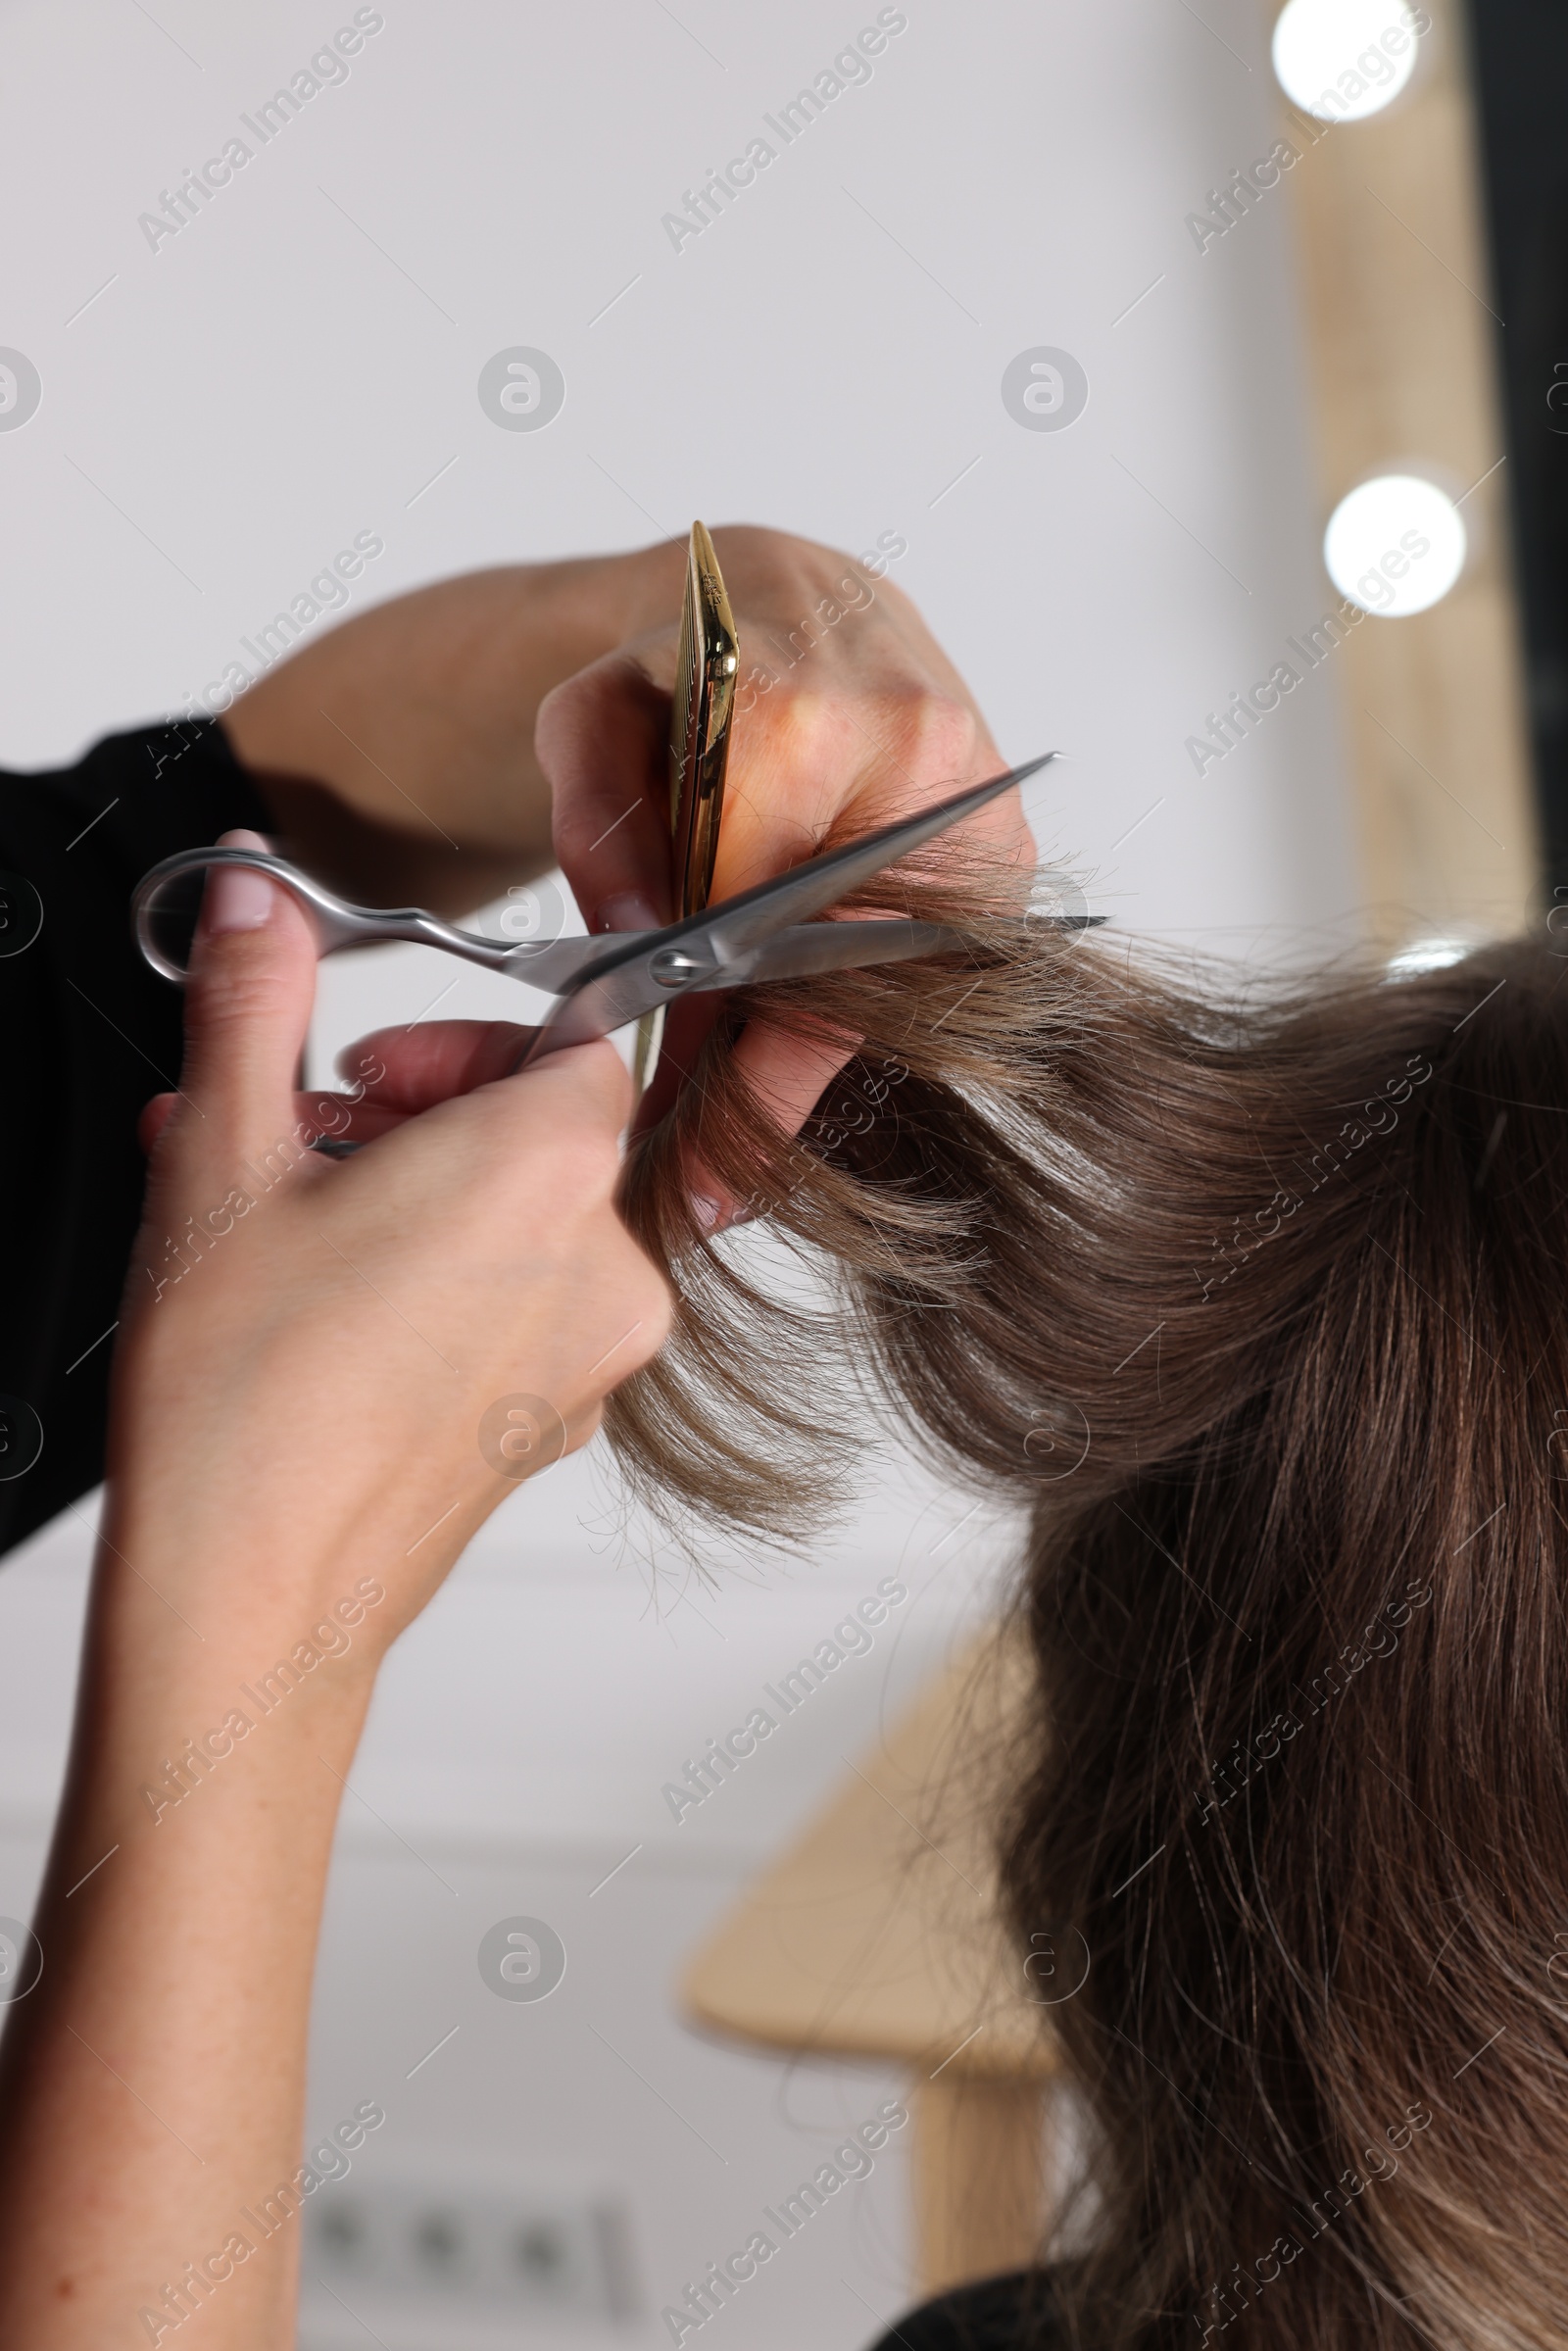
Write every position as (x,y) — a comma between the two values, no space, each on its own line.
(526,2254)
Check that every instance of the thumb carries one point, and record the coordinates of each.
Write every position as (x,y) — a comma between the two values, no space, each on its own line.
(248,1004)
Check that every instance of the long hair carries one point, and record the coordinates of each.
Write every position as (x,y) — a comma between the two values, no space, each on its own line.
(1259,1297)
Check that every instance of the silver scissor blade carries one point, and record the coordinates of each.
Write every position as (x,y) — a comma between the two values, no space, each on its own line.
(815,946)
(613,998)
(616,983)
(609,1000)
(732,929)
(600,1004)
(743,922)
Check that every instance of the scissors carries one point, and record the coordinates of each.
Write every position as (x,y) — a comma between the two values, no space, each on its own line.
(701,708)
(599,984)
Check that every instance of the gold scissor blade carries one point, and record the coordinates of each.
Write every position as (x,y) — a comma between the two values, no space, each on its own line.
(702,705)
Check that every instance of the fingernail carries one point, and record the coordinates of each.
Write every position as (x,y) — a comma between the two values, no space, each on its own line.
(237,898)
(628,911)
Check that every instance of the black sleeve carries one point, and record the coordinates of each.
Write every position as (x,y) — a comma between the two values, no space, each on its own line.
(89,1033)
(1015,2312)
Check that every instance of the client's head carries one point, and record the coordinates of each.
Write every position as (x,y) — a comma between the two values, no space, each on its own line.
(1260,1300)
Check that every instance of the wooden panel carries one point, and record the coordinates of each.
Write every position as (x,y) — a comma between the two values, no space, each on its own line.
(1399,327)
(878,1934)
(979,2179)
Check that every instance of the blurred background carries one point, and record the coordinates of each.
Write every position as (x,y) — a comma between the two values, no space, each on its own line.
(1178,350)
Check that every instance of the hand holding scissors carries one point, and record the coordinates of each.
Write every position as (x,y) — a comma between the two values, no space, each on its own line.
(602,984)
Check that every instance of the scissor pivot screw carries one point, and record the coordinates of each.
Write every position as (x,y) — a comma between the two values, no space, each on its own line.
(672,967)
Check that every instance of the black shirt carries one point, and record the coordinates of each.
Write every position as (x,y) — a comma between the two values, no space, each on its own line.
(89,1034)
(1016,2313)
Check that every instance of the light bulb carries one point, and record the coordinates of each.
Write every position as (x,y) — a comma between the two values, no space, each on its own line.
(1395,545)
(1342,60)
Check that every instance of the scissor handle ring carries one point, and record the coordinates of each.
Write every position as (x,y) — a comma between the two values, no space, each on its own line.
(326,914)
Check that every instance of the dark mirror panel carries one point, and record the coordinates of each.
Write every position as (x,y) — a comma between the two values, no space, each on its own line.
(1520,65)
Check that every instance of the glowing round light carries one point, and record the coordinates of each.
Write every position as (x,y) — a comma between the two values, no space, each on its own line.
(1395,545)
(1342,60)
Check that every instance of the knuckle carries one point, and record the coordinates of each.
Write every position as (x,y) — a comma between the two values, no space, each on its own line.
(577,821)
(542,1183)
(800,731)
(585,1163)
(804,733)
(242,982)
(567,708)
(751,539)
(658,1304)
(650,1298)
(935,734)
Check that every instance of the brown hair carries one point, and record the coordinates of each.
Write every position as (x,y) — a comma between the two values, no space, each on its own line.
(1256,1296)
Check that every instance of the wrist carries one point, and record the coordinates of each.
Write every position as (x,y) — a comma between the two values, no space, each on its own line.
(188,1685)
(440,688)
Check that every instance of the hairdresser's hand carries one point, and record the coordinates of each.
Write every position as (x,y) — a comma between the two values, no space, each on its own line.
(848,715)
(303,1405)
(307,1426)
(401,760)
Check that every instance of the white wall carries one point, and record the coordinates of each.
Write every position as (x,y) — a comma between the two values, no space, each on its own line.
(296,366)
